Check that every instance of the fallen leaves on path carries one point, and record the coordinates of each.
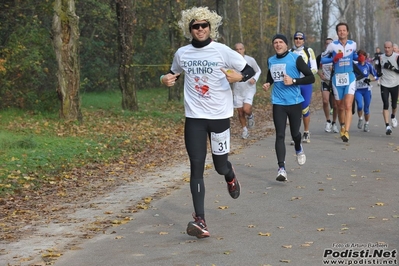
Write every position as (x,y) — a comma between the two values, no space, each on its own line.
(66,192)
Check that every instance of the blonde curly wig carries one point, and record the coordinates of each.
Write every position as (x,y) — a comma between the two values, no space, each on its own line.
(200,13)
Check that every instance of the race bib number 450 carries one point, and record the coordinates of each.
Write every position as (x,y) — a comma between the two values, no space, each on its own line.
(342,79)
(220,142)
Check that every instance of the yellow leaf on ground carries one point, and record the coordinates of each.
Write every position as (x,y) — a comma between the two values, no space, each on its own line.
(223,207)
(264,234)
(147,199)
(142,206)
(296,198)
(320,229)
(208,166)
(51,255)
(287,246)
(380,204)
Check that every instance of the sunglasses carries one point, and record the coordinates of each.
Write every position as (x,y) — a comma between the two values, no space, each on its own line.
(202,25)
(297,38)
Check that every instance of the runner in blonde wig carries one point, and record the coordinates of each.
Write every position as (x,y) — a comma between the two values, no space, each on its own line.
(209,67)
(199,13)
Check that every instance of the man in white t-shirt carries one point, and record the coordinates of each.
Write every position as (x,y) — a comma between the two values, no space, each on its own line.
(244,92)
(208,101)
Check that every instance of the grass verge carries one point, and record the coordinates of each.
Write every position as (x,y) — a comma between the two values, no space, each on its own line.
(38,147)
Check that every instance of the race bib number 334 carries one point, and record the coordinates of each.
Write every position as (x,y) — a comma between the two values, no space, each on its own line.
(277,71)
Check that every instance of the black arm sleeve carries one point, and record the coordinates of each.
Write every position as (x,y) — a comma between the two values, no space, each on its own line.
(378,67)
(269,78)
(397,62)
(248,72)
(304,69)
(358,73)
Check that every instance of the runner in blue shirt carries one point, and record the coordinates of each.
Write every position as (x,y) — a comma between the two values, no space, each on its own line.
(363,90)
(284,73)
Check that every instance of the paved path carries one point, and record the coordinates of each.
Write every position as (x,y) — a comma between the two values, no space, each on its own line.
(344,199)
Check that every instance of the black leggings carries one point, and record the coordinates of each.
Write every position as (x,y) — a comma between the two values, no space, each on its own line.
(385,97)
(280,114)
(196,133)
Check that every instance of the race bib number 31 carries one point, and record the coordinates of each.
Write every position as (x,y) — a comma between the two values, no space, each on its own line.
(342,79)
(220,142)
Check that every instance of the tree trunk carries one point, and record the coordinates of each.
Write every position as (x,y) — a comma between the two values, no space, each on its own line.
(65,31)
(324,23)
(369,28)
(174,91)
(239,20)
(125,11)
(262,19)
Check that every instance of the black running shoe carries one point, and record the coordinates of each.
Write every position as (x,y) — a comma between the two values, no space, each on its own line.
(234,187)
(197,228)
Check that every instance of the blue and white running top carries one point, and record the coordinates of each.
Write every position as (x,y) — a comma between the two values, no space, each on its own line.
(344,64)
(343,80)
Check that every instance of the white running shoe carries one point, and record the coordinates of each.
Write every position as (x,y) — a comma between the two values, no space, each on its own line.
(394,122)
(281,175)
(301,157)
(328,127)
(251,121)
(366,128)
(245,134)
(360,124)
(335,128)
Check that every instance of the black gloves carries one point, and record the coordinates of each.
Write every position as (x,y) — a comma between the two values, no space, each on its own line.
(389,66)
(367,81)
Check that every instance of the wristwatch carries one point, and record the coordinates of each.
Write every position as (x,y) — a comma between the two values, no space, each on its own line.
(293,81)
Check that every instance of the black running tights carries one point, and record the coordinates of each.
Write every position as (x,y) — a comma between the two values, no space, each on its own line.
(196,133)
(385,97)
(280,114)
